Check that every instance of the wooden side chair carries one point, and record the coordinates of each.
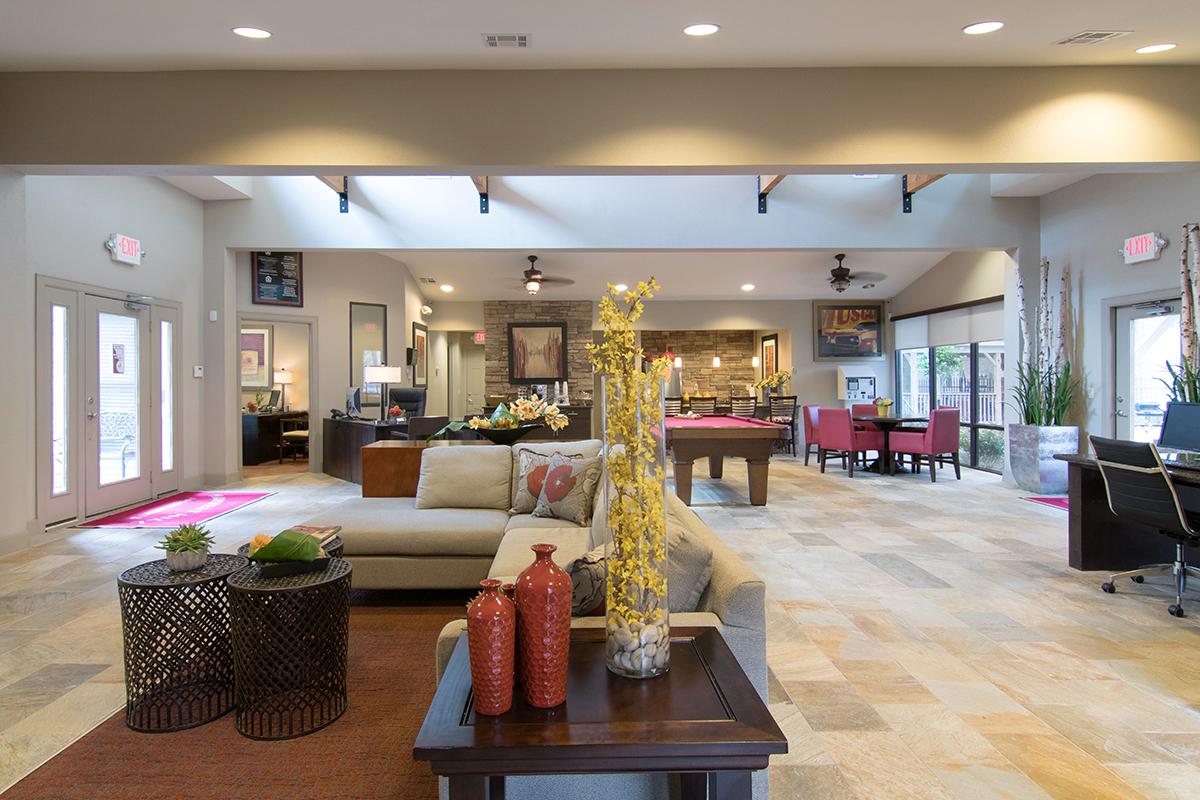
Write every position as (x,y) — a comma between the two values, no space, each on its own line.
(743,406)
(674,406)
(293,437)
(704,405)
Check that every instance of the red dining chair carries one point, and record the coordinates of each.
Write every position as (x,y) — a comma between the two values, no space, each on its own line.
(864,410)
(810,415)
(937,443)
(837,435)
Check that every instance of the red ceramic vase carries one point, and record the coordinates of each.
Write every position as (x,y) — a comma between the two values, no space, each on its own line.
(544,628)
(491,636)
(509,590)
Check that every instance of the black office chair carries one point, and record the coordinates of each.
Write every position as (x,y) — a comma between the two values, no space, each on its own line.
(411,400)
(1140,489)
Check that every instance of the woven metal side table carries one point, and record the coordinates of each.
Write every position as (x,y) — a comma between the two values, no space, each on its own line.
(290,641)
(178,656)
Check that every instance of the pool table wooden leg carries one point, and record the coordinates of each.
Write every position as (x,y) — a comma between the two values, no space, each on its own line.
(716,465)
(683,481)
(758,481)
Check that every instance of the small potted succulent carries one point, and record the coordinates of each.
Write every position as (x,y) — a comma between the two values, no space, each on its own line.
(186,547)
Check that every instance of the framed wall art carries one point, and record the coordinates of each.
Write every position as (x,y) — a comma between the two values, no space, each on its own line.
(277,278)
(420,356)
(848,331)
(255,349)
(537,352)
(768,353)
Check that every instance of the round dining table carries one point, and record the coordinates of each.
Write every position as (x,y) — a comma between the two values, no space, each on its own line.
(887,424)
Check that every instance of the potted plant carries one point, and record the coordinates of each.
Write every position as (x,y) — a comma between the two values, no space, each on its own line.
(186,547)
(1184,386)
(1044,394)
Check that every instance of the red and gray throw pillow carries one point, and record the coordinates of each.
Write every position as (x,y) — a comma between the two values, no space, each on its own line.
(587,578)
(569,489)
(532,468)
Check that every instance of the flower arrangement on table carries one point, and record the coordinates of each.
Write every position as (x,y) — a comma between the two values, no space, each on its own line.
(776,380)
(883,406)
(254,405)
(637,622)
(509,422)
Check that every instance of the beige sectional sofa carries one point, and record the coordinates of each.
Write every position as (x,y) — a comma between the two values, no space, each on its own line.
(439,540)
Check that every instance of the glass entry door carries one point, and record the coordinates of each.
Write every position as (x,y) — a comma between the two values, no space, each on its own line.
(1147,338)
(117,407)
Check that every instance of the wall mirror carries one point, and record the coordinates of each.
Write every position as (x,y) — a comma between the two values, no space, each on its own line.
(368,347)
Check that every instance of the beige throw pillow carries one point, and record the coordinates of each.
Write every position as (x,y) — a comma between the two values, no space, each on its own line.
(465,477)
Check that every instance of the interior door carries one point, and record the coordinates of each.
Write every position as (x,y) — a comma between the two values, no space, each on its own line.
(1147,339)
(117,403)
(473,364)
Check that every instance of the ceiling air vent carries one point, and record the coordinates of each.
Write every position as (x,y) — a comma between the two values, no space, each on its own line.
(505,39)
(1093,37)
(429,281)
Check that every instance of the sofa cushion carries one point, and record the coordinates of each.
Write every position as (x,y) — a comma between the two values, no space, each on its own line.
(588,574)
(393,526)
(465,477)
(530,521)
(569,489)
(513,554)
(689,567)
(586,448)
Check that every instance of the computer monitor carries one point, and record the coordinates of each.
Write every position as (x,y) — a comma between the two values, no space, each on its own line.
(274,401)
(353,401)
(1181,427)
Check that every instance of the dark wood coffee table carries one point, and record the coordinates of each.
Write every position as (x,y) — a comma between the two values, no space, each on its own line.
(702,719)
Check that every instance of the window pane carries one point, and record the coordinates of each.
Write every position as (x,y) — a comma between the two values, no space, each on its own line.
(991,450)
(964,444)
(914,382)
(59,392)
(119,364)
(166,398)
(954,378)
(989,377)
(1153,342)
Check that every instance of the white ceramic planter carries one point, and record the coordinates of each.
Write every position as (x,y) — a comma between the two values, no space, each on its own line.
(185,562)
(1031,454)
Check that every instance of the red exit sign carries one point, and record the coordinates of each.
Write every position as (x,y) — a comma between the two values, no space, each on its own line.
(125,249)
(480,337)
(1143,247)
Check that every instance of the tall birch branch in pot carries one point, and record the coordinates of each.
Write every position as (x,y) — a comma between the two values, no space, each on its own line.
(1184,383)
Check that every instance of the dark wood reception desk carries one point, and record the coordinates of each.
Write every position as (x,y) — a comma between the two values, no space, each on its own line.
(344,440)
(1097,539)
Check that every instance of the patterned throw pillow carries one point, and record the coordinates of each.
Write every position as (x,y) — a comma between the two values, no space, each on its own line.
(569,489)
(587,577)
(531,474)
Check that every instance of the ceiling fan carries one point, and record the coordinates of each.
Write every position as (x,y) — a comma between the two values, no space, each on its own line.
(533,278)
(841,278)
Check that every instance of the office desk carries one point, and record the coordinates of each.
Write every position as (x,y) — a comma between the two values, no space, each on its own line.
(260,435)
(391,467)
(343,440)
(1097,539)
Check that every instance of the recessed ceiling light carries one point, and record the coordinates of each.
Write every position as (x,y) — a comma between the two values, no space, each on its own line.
(252,33)
(978,28)
(747,287)
(621,287)
(447,288)
(1155,48)
(702,29)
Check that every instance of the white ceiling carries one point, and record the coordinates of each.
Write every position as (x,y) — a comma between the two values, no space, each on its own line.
(683,274)
(380,34)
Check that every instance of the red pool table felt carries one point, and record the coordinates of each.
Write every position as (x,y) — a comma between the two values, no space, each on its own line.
(717,421)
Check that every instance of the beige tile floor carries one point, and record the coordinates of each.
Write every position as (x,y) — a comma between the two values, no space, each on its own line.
(925,641)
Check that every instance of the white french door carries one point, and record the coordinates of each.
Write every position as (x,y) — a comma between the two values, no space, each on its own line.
(1147,339)
(108,376)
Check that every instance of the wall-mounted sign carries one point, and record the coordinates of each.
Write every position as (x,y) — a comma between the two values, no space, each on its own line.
(480,337)
(276,279)
(1143,247)
(124,249)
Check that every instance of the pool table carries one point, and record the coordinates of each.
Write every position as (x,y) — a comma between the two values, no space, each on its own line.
(717,436)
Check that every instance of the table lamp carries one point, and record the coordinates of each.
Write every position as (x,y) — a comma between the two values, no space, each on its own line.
(383,374)
(283,378)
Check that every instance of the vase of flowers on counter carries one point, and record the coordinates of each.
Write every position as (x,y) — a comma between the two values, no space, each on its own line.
(637,623)
(508,423)
(774,383)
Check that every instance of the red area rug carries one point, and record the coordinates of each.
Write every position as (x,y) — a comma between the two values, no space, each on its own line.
(185,508)
(1060,503)
(365,755)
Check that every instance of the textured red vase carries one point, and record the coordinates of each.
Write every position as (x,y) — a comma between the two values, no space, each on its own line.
(544,628)
(491,635)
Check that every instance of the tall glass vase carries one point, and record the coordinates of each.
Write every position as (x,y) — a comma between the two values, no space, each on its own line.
(638,629)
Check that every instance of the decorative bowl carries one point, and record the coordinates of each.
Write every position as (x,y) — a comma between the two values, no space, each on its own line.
(505,435)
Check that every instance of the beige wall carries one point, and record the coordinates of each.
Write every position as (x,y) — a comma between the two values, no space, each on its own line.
(767,120)
(959,278)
